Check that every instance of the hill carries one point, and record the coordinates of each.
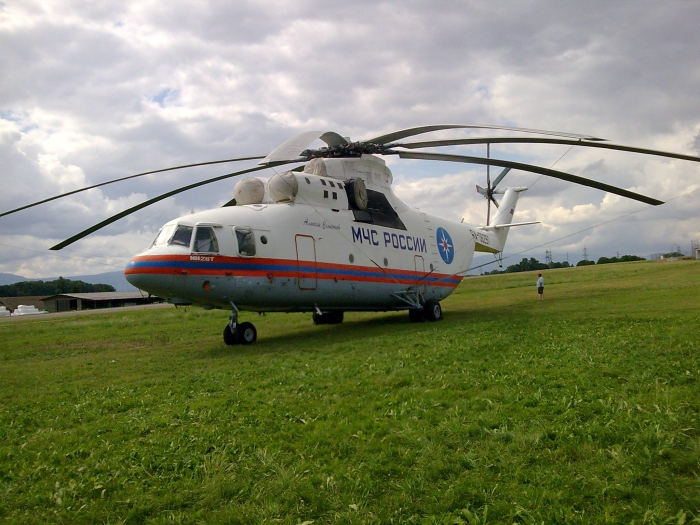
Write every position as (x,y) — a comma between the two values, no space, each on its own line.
(114,279)
(10,278)
(582,408)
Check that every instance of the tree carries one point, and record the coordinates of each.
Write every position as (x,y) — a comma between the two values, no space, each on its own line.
(527,265)
(59,286)
(564,264)
(624,258)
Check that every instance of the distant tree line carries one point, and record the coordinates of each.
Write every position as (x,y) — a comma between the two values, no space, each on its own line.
(528,265)
(59,286)
(624,258)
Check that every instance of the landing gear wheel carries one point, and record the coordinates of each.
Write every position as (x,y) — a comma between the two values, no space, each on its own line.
(229,336)
(432,311)
(415,316)
(246,333)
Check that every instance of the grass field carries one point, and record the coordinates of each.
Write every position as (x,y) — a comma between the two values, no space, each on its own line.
(583,408)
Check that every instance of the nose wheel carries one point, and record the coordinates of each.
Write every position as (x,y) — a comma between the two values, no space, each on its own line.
(243,334)
(237,333)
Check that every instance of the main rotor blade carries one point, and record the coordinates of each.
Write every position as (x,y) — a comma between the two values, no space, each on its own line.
(528,140)
(533,169)
(292,148)
(131,210)
(127,178)
(397,135)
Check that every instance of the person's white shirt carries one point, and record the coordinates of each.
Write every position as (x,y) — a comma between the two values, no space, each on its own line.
(540,282)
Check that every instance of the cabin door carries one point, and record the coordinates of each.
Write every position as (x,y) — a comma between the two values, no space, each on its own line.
(420,273)
(306,262)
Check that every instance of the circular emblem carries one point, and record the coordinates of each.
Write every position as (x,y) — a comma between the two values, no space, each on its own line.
(445,246)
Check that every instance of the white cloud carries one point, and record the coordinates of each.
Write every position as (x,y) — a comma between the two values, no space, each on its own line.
(97,91)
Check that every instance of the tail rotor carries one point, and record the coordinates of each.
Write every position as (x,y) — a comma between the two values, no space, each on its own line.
(490,190)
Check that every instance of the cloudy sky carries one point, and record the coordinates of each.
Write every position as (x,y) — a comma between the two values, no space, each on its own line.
(92,91)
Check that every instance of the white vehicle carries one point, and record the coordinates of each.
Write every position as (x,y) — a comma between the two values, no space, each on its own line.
(330,236)
(23,309)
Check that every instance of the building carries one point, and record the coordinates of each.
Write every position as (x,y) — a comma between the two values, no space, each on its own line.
(66,302)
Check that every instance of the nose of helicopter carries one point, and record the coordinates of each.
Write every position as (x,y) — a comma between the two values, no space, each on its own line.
(146,275)
(133,275)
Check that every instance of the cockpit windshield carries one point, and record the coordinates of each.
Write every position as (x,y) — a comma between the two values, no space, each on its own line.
(164,235)
(182,236)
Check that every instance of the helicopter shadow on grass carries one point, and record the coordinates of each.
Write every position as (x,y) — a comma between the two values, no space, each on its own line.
(316,338)
(312,338)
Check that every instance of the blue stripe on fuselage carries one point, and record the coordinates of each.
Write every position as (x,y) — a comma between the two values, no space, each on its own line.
(262,267)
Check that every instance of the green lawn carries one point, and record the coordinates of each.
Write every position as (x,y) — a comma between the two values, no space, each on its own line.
(583,408)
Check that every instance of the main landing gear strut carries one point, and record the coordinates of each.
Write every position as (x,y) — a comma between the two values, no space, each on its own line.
(432,311)
(420,309)
(239,333)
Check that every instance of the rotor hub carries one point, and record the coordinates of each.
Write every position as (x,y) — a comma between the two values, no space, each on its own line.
(349,150)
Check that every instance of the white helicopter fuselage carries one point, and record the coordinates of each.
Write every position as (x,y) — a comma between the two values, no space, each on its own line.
(315,251)
(333,237)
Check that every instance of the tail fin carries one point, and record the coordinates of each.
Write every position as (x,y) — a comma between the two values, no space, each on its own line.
(504,218)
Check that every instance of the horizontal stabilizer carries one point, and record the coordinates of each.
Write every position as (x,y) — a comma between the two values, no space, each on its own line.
(500,226)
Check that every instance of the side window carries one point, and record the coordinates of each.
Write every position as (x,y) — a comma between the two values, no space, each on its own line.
(205,240)
(246,241)
(182,236)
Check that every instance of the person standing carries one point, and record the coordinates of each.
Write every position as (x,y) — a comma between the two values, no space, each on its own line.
(540,286)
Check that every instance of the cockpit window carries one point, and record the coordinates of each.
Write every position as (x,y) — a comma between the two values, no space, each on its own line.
(205,240)
(164,235)
(182,236)
(246,241)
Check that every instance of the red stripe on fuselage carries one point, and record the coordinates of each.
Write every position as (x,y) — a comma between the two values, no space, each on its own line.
(287,268)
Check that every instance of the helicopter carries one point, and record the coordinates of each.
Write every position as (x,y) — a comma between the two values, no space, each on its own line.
(329,235)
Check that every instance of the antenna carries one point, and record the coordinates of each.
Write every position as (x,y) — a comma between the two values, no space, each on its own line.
(548,256)
(585,253)
(488,183)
